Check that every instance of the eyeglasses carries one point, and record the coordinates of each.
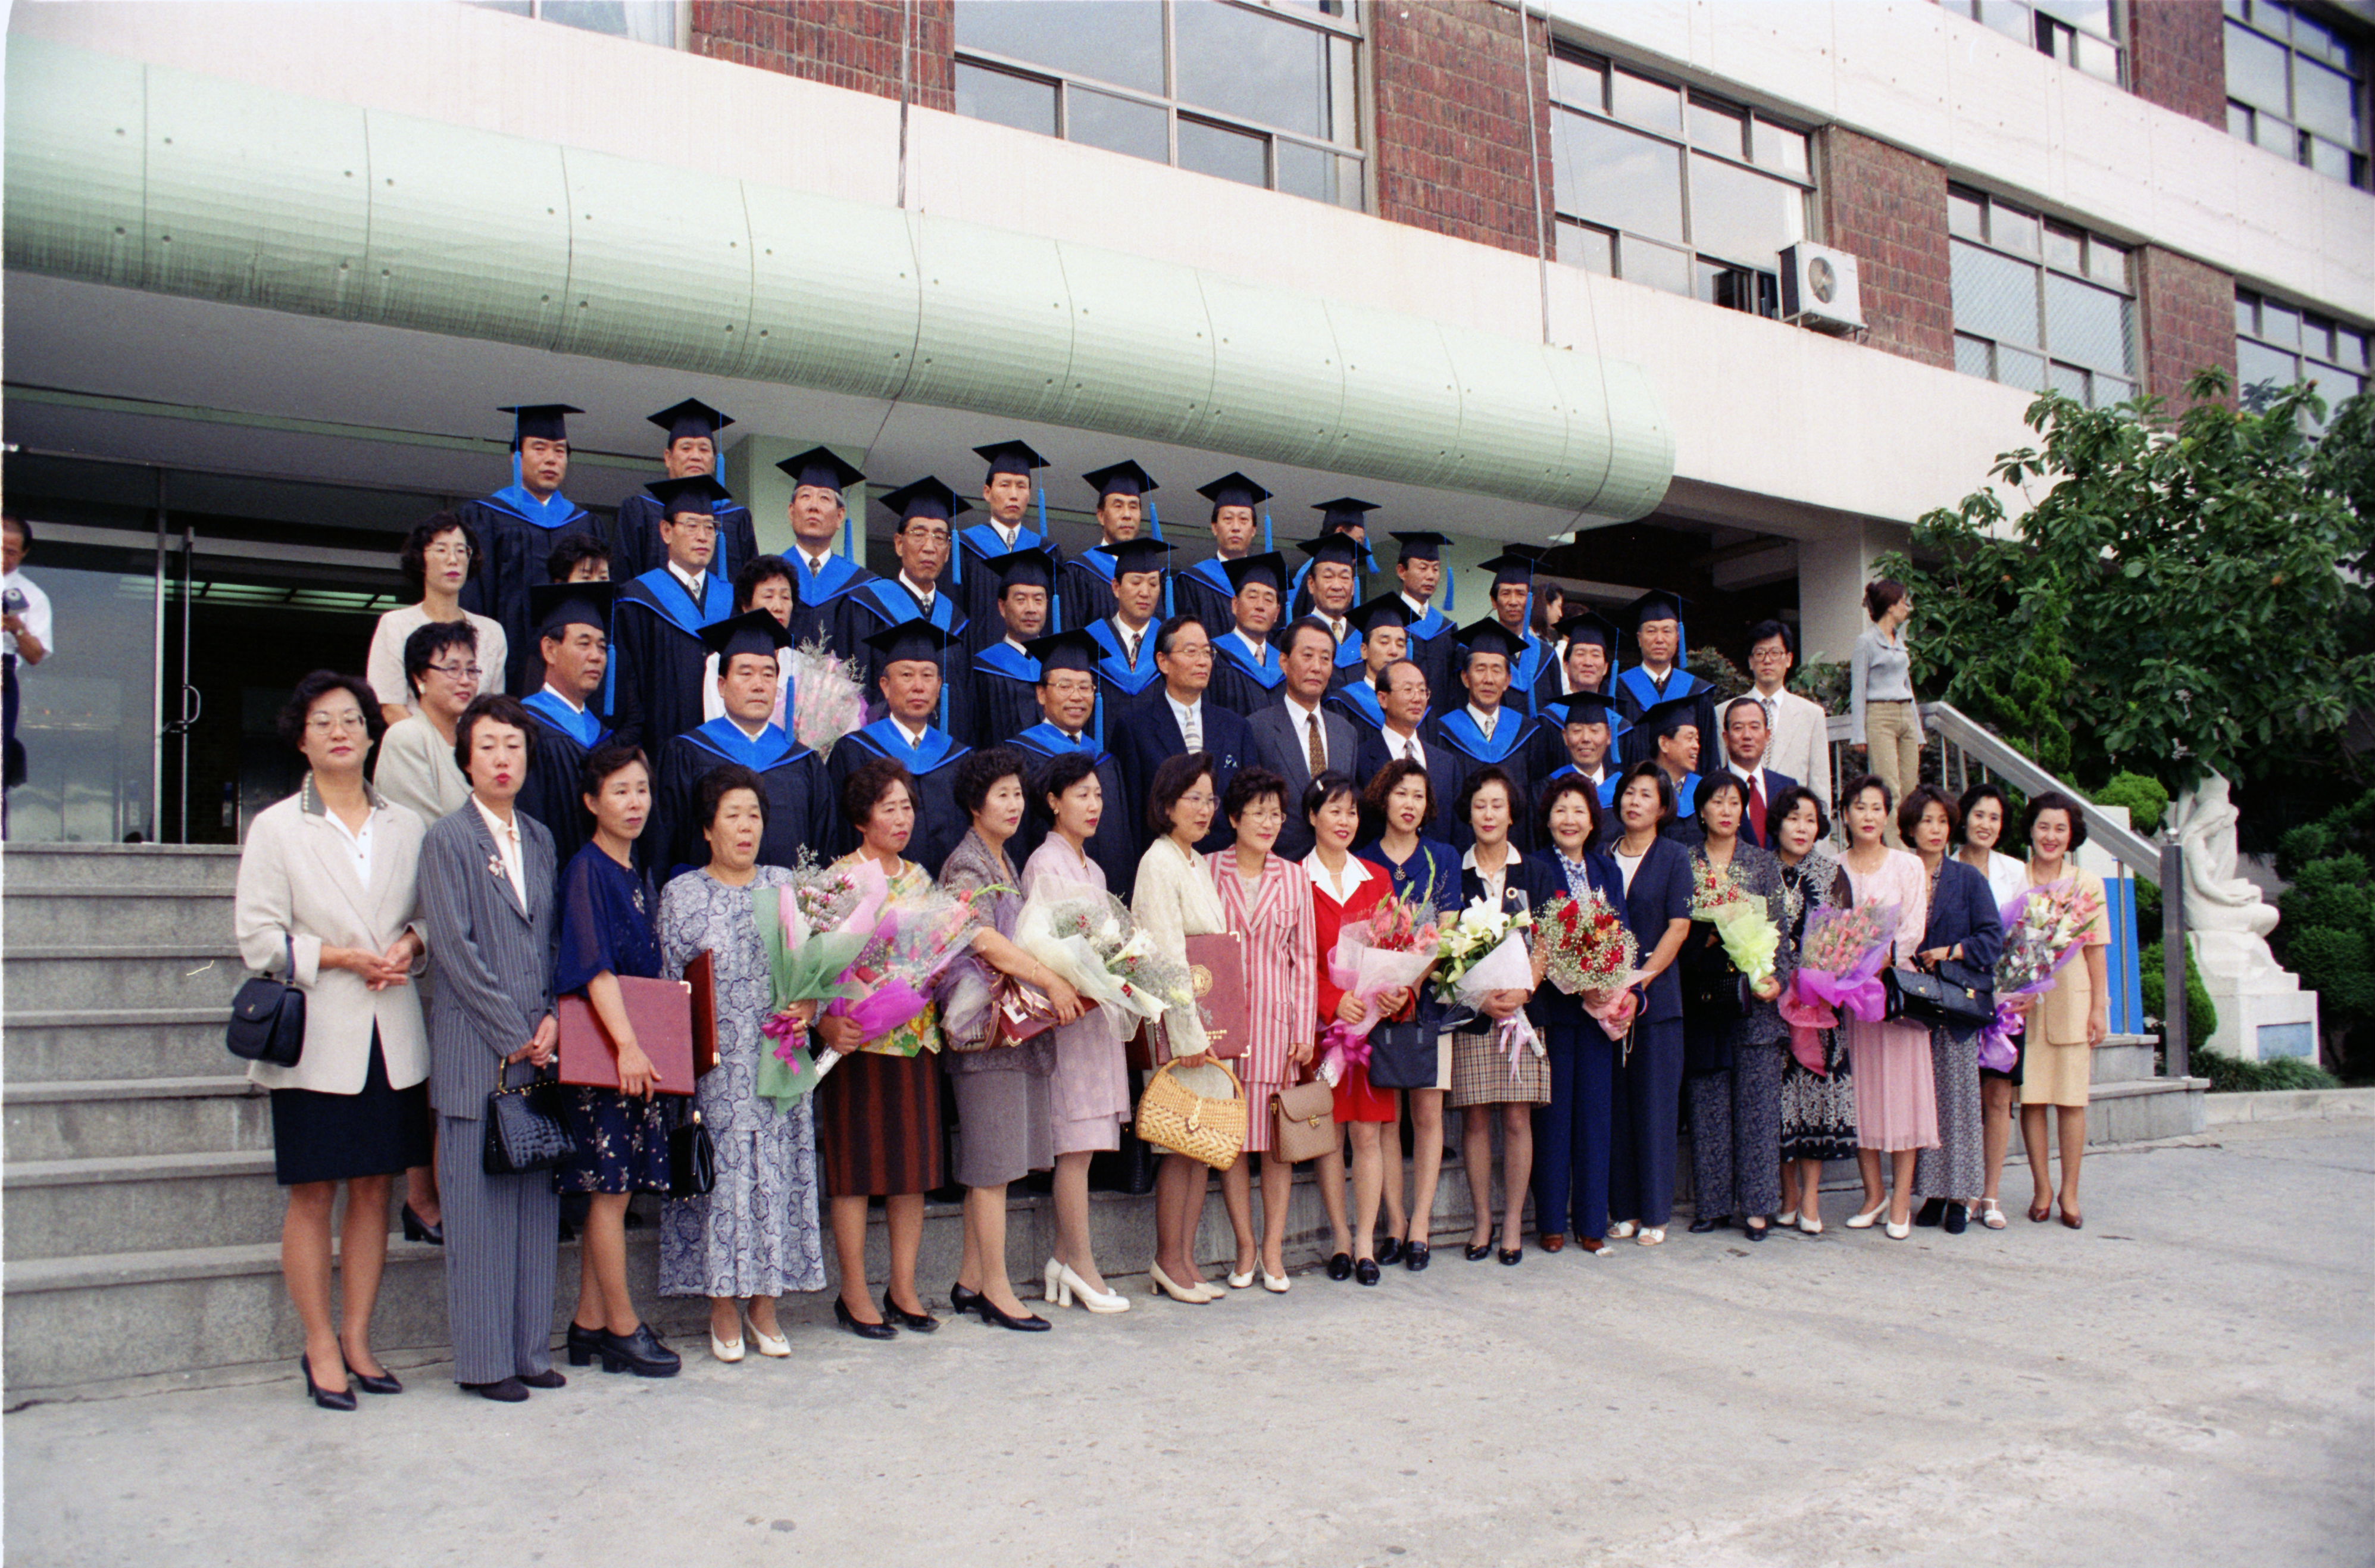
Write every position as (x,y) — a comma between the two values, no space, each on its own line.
(473,671)
(1263,814)
(693,524)
(1197,798)
(455,551)
(330,723)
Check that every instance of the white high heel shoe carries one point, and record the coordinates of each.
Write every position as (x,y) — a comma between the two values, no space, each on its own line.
(1063,1284)
(775,1346)
(724,1349)
(1162,1284)
(1276,1284)
(1869,1218)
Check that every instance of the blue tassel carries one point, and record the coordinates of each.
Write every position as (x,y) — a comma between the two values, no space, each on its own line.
(1154,519)
(1166,595)
(1097,723)
(944,694)
(1450,586)
(1266,544)
(848,536)
(1043,515)
(956,554)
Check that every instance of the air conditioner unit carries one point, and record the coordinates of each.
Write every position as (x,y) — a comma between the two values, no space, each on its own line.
(1818,289)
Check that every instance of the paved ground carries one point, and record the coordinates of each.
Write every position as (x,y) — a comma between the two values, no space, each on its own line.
(2190,1381)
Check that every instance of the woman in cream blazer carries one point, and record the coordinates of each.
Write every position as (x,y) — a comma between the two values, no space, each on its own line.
(327,898)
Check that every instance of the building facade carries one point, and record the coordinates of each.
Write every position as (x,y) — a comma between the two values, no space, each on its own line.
(1516,273)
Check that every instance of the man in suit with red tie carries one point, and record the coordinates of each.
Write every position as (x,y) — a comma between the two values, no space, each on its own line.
(1745,738)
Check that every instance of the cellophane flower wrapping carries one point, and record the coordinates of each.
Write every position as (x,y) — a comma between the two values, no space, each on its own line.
(827,701)
(1838,966)
(1591,954)
(1388,952)
(1091,941)
(1482,926)
(1507,965)
(915,938)
(1751,940)
(2044,928)
(804,964)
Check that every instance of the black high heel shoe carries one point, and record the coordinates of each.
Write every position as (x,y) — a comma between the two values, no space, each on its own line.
(849,1319)
(1029,1323)
(584,1344)
(640,1352)
(344,1399)
(416,1229)
(385,1383)
(1416,1256)
(1478,1253)
(1367,1272)
(920,1322)
(962,1300)
(1390,1252)
(1339,1268)
(1512,1256)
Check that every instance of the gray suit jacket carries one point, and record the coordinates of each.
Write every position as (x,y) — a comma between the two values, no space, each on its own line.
(491,958)
(1279,745)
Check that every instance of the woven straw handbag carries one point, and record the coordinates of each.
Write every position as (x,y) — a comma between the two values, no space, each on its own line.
(1172,1117)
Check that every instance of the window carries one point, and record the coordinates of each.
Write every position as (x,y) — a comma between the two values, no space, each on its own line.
(2278,346)
(1262,94)
(646,21)
(2083,34)
(2039,305)
(2296,89)
(1670,187)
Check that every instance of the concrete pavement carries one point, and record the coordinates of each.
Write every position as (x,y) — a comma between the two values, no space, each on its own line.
(2189,1380)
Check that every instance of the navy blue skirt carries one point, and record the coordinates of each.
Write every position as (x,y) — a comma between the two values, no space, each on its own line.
(334,1138)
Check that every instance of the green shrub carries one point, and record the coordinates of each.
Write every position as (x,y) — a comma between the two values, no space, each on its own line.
(2144,797)
(2232,1075)
(2201,1013)
(1823,683)
(1707,662)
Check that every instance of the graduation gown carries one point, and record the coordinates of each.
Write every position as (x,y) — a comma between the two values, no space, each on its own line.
(515,536)
(940,823)
(1005,693)
(1121,685)
(1607,786)
(1239,684)
(1204,592)
(1358,701)
(818,590)
(1084,589)
(1515,748)
(657,659)
(1526,677)
(1111,846)
(1443,776)
(879,602)
(1433,645)
(641,549)
(799,805)
(975,586)
(1636,693)
(554,793)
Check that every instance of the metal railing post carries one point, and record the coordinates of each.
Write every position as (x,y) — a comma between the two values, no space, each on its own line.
(2176,1049)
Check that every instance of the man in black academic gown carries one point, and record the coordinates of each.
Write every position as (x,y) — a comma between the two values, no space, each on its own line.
(909,658)
(517,527)
(1178,717)
(1246,671)
(1429,630)
(1484,731)
(1085,581)
(1513,607)
(800,806)
(1006,494)
(1586,663)
(1586,722)
(1327,595)
(1347,518)
(1405,733)
(1126,667)
(1068,701)
(1659,677)
(1668,735)
(1005,677)
(1383,644)
(574,629)
(1204,590)
(691,450)
(819,516)
(658,654)
(920,539)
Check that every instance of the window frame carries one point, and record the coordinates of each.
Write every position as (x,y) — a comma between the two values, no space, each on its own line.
(2254,302)
(1349,107)
(2359,161)
(2048,230)
(2041,28)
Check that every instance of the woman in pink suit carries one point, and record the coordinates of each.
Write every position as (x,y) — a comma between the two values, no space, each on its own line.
(1896,1097)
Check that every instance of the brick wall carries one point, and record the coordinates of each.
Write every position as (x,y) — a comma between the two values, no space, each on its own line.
(2186,312)
(1451,133)
(1887,208)
(2178,57)
(848,43)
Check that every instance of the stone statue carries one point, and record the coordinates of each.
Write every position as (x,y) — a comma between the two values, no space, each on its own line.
(2224,913)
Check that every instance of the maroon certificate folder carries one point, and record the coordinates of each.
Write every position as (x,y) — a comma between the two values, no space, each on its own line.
(676,1024)
(1216,972)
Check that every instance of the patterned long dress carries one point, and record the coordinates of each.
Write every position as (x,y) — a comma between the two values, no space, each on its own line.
(756,1233)
(1282,985)
(1817,1109)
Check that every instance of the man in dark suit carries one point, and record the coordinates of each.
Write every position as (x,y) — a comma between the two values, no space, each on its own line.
(1744,740)
(489,896)
(1178,718)
(1406,696)
(1485,732)
(1294,737)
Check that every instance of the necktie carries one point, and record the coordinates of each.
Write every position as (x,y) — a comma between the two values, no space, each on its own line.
(1318,748)
(1757,804)
(1337,627)
(1192,728)
(1133,637)
(1490,719)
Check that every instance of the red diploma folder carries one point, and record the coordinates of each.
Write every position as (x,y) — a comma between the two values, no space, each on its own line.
(676,1024)
(1216,972)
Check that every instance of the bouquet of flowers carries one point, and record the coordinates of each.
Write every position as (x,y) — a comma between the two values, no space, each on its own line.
(1484,951)
(826,701)
(913,941)
(1839,967)
(1091,941)
(1589,952)
(2044,928)
(807,962)
(1384,954)
(1750,938)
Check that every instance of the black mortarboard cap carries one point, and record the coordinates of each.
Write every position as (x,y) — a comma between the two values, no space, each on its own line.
(1141,554)
(690,417)
(1386,609)
(1422,544)
(1343,512)
(1248,570)
(552,606)
(546,421)
(819,465)
(1123,478)
(925,498)
(1664,718)
(1581,707)
(1009,457)
(917,638)
(1233,489)
(1490,637)
(1064,650)
(1592,627)
(752,632)
(1022,568)
(1509,566)
(1338,547)
(1656,605)
(694,492)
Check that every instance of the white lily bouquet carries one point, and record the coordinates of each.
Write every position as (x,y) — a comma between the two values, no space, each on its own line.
(1485,951)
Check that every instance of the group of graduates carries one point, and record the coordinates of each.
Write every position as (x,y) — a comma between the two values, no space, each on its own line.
(672,632)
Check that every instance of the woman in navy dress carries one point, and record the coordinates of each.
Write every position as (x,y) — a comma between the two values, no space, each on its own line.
(1426,871)
(1571,1133)
(1657,877)
(608,929)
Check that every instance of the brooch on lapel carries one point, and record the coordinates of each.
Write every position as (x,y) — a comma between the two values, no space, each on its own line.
(639,901)
(495,865)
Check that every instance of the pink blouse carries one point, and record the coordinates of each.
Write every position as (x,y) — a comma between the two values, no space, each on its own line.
(1281,967)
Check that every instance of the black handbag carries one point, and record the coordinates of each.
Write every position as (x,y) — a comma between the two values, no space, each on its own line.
(1946,999)
(268,1018)
(524,1132)
(1711,981)
(693,1159)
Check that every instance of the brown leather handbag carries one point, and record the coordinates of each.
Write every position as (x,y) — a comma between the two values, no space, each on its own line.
(1305,1122)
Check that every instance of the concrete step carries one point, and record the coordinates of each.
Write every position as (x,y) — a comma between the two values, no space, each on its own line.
(102,1118)
(2125,1058)
(51,914)
(139,1203)
(197,867)
(2144,1109)
(71,977)
(48,1046)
